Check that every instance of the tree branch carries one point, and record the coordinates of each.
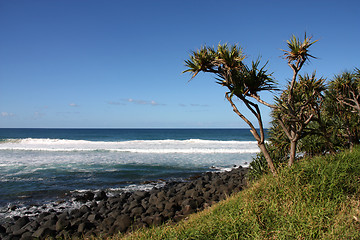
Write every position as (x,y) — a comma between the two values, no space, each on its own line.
(235,109)
(286,130)
(262,101)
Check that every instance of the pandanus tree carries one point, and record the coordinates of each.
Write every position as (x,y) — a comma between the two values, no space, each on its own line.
(346,89)
(244,82)
(305,105)
(294,108)
(342,106)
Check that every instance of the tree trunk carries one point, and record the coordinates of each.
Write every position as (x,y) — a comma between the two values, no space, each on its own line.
(292,152)
(268,158)
(351,139)
(259,139)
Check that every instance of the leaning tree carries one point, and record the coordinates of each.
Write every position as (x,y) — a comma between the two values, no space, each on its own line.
(244,82)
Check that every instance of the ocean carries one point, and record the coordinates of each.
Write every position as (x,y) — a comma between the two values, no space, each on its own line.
(38,166)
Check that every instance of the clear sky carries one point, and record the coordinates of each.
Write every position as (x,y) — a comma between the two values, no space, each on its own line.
(118,64)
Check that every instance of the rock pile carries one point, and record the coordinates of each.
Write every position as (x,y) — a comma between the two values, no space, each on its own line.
(104,216)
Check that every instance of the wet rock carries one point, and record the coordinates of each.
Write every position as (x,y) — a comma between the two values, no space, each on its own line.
(86,197)
(85,209)
(16,228)
(42,216)
(100,196)
(140,194)
(133,204)
(2,229)
(51,216)
(32,226)
(22,222)
(12,208)
(51,224)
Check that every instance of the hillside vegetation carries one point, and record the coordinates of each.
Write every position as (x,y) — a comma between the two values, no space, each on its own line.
(318,198)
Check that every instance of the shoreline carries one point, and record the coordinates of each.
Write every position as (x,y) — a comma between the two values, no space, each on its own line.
(100,215)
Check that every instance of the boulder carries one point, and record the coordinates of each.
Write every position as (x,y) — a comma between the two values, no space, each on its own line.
(122,222)
(62,224)
(100,196)
(86,225)
(43,232)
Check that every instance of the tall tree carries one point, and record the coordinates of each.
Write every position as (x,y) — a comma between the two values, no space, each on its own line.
(292,110)
(244,82)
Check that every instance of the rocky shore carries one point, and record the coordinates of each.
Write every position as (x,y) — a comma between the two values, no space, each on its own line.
(101,215)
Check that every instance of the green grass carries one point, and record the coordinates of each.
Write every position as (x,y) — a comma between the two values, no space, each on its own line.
(318,198)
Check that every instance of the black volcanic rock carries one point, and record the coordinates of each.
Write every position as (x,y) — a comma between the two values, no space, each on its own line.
(102,215)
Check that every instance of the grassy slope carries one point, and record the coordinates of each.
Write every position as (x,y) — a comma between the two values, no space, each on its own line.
(316,199)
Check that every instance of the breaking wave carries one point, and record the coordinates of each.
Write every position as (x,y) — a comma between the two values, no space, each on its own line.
(196,146)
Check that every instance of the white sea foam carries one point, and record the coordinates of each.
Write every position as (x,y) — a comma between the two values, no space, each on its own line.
(196,146)
(39,157)
(70,204)
(26,156)
(33,211)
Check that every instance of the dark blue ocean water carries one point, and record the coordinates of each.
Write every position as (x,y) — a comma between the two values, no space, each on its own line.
(39,165)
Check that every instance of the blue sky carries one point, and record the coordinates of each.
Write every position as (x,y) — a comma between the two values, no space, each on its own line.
(118,64)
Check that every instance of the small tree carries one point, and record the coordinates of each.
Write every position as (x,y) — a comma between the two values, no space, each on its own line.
(342,107)
(346,89)
(294,116)
(244,82)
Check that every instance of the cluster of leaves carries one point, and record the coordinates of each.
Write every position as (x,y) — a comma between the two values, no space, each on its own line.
(226,62)
(298,51)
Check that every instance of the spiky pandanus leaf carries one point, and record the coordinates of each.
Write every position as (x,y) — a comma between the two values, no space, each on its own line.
(257,79)
(200,60)
(297,50)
